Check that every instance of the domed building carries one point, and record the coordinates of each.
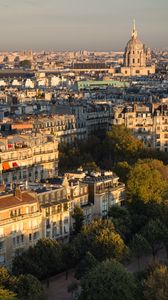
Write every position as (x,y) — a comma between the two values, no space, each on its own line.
(135,57)
(135,52)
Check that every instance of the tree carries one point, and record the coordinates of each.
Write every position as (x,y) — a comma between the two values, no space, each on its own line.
(101,240)
(6,280)
(42,260)
(147,181)
(78,217)
(156,284)
(68,258)
(122,169)
(141,213)
(29,288)
(122,141)
(139,247)
(85,265)
(90,166)
(121,218)
(5,294)
(7,285)
(26,64)
(154,232)
(108,280)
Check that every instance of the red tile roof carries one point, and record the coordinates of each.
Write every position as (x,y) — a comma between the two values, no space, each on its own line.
(12,201)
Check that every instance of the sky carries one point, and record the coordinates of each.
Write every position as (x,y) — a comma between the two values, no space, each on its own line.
(100,25)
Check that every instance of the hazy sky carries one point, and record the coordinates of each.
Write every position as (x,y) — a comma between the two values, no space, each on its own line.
(81,24)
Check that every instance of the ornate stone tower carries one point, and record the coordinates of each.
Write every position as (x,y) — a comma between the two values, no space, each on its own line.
(135,52)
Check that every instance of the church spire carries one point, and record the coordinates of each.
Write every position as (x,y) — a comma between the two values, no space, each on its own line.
(134,31)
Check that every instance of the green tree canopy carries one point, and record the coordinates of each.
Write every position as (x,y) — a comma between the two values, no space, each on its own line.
(78,217)
(108,280)
(85,265)
(139,247)
(101,240)
(122,169)
(42,260)
(5,294)
(121,218)
(25,64)
(148,181)
(122,140)
(29,288)
(6,280)
(156,284)
(155,232)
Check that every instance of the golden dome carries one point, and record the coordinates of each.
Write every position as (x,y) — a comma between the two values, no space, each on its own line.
(134,44)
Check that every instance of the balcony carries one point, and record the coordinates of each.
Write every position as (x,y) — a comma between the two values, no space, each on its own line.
(19,218)
(111,189)
(43,152)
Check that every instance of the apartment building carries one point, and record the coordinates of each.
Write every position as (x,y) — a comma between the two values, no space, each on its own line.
(105,190)
(57,202)
(149,122)
(45,210)
(28,158)
(97,117)
(66,128)
(20,224)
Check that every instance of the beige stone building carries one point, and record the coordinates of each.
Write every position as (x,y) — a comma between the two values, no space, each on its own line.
(28,158)
(45,210)
(57,204)
(148,122)
(20,224)
(104,191)
(66,128)
(135,58)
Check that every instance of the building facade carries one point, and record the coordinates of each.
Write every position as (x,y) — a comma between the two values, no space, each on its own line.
(135,58)
(45,210)
(149,122)
(28,158)
(104,191)
(20,224)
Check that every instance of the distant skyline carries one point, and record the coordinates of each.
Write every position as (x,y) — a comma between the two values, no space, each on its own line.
(81,24)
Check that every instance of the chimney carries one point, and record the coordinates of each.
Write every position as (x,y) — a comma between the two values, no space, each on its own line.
(18,193)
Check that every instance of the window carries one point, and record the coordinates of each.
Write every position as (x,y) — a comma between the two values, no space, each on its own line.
(104,206)
(27,210)
(1,245)
(66,221)
(22,238)
(35,235)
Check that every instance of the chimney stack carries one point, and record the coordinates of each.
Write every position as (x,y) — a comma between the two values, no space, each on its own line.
(18,193)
